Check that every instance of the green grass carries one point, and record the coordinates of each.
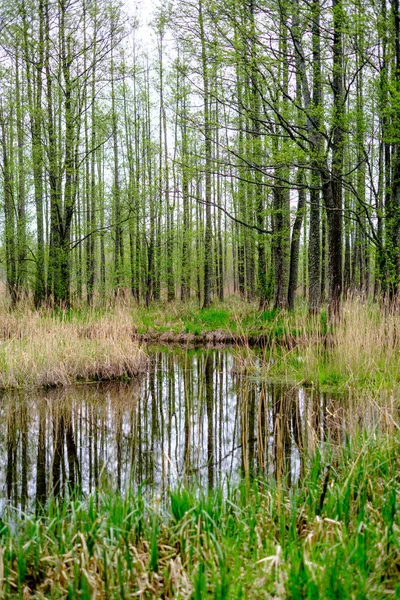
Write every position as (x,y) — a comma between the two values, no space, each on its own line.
(257,540)
(189,318)
(208,319)
(233,316)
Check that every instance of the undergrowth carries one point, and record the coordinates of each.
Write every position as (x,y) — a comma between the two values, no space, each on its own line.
(333,535)
(361,352)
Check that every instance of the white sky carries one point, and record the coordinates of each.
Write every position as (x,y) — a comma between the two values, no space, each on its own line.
(144,10)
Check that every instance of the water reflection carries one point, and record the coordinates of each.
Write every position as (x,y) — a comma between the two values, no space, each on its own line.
(195,415)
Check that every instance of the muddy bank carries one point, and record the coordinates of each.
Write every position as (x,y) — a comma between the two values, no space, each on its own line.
(212,339)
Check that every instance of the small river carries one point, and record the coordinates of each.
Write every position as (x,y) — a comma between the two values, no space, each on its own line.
(195,416)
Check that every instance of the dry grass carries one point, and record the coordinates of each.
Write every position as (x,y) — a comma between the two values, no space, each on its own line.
(365,348)
(360,352)
(46,349)
(367,341)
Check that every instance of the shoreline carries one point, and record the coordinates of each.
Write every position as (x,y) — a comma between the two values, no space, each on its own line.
(51,348)
(210,339)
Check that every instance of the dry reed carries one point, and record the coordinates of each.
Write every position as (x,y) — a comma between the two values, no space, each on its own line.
(47,349)
(360,352)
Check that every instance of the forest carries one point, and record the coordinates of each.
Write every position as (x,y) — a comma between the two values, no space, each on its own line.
(248,149)
(199,299)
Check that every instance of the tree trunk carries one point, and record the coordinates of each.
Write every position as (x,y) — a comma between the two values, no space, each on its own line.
(208,157)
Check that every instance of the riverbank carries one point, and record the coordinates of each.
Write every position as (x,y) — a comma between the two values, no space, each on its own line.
(335,534)
(54,347)
(360,354)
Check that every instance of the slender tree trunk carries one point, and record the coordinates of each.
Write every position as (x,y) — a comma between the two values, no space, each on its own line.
(295,242)
(281,200)
(34,94)
(9,215)
(185,277)
(314,294)
(92,199)
(394,214)
(118,244)
(21,209)
(208,158)
(257,160)
(333,188)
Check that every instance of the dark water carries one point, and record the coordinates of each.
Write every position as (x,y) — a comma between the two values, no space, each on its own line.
(196,415)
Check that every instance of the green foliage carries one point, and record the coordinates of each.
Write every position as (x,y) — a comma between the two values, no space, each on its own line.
(249,540)
(154,546)
(207,319)
(268,316)
(181,502)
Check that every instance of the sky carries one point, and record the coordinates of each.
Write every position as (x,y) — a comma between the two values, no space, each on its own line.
(144,9)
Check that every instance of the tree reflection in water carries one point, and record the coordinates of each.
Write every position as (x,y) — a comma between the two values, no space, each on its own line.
(197,415)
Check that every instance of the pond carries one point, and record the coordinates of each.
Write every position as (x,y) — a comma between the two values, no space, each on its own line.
(196,415)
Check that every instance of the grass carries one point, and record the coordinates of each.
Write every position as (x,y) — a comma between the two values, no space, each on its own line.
(46,348)
(335,534)
(360,353)
(331,536)
(229,316)
(235,316)
(52,347)
(60,347)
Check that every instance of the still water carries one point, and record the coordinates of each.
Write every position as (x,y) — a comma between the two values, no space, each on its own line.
(196,415)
